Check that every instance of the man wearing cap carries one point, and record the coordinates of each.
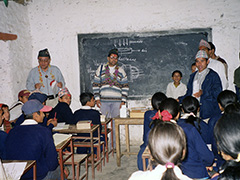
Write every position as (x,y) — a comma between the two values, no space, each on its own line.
(46,78)
(110,86)
(31,141)
(205,85)
(214,64)
(16,109)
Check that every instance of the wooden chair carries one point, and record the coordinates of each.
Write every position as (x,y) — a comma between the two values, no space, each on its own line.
(78,160)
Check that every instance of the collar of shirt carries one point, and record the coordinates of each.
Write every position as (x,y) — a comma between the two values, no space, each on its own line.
(86,107)
(29,122)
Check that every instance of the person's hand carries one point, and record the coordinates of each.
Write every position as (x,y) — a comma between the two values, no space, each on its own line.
(98,102)
(59,84)
(177,100)
(122,103)
(198,94)
(38,85)
(52,121)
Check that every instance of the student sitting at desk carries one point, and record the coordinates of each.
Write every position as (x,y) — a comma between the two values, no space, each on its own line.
(41,97)
(87,113)
(157,98)
(62,110)
(31,141)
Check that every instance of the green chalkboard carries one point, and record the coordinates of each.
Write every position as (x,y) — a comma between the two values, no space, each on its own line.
(148,58)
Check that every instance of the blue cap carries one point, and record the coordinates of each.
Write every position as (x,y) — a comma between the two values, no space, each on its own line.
(33,106)
(39,96)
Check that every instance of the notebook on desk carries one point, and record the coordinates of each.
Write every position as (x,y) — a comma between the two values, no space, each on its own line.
(59,138)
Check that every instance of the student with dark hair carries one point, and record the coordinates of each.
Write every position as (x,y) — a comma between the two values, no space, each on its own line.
(16,108)
(227,133)
(167,145)
(176,88)
(224,99)
(190,108)
(31,141)
(198,155)
(193,67)
(204,84)
(62,110)
(157,98)
(87,113)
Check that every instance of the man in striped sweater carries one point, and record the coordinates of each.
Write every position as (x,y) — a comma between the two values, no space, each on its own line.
(110,86)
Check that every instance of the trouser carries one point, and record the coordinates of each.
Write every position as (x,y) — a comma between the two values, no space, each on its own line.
(112,110)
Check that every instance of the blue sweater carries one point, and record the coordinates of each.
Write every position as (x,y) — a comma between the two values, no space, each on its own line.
(211,123)
(21,119)
(88,114)
(32,142)
(3,136)
(211,87)
(198,155)
(63,113)
(147,120)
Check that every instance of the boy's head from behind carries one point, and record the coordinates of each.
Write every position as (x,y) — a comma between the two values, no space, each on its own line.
(87,99)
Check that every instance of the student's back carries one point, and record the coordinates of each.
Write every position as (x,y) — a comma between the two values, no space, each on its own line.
(198,155)
(32,142)
(88,114)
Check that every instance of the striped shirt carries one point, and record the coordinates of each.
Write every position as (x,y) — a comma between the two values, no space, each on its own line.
(102,89)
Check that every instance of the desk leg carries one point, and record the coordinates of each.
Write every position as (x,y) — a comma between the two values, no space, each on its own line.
(35,171)
(92,156)
(118,148)
(127,138)
(72,154)
(61,164)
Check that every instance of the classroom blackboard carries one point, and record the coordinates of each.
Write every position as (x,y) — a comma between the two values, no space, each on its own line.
(149,58)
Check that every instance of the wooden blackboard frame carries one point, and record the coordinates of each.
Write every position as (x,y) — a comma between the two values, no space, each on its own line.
(93,49)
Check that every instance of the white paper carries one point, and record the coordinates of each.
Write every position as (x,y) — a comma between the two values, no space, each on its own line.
(14,170)
(59,138)
(54,87)
(61,126)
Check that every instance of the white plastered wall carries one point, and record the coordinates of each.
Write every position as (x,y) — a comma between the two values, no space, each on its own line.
(55,24)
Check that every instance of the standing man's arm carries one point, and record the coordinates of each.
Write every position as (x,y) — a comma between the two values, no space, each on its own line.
(125,88)
(59,78)
(96,86)
(217,85)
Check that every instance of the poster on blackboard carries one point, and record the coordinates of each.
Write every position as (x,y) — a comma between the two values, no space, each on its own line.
(148,58)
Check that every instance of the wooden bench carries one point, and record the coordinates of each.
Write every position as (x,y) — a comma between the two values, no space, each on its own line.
(78,160)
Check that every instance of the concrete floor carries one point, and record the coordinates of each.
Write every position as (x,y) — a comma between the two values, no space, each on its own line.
(111,172)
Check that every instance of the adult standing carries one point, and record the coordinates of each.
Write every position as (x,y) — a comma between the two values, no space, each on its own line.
(46,78)
(110,86)
(205,85)
(214,64)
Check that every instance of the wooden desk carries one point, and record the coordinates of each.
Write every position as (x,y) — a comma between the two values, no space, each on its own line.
(146,156)
(105,131)
(60,147)
(30,164)
(73,130)
(126,122)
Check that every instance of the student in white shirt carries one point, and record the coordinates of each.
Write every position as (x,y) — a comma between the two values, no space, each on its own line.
(167,145)
(176,88)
